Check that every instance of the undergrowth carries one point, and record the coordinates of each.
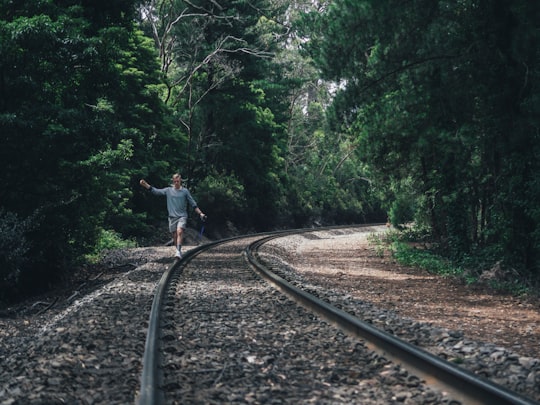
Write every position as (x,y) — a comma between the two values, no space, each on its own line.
(411,248)
(424,259)
(108,240)
(399,245)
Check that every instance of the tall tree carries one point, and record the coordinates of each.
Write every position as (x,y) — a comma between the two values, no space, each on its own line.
(79,98)
(224,89)
(439,95)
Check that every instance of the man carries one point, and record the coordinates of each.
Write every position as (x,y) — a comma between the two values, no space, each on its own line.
(178,198)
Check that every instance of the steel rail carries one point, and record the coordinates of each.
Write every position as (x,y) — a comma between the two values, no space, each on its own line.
(149,393)
(461,384)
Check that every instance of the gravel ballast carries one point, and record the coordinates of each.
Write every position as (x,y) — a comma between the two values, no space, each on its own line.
(255,345)
(235,339)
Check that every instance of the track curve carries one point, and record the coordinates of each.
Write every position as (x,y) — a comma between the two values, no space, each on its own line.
(431,368)
(462,385)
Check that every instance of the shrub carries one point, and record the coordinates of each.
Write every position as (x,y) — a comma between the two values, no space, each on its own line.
(401,212)
(109,240)
(414,257)
(222,198)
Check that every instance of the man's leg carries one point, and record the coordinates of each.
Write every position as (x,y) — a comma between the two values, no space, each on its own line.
(173,228)
(179,238)
(177,242)
(180,235)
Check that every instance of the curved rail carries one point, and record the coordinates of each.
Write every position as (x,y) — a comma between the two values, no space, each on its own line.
(462,384)
(149,393)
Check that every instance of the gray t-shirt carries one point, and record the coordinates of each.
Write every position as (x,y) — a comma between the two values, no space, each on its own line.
(177,200)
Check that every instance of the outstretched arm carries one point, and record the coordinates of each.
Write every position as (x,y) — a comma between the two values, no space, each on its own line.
(145,184)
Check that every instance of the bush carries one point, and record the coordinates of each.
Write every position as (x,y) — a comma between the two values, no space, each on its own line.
(410,248)
(222,198)
(401,212)
(109,240)
(424,259)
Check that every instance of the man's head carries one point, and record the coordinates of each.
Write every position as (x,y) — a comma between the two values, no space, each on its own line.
(177,180)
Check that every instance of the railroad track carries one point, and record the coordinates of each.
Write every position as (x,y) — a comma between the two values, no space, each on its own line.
(226,344)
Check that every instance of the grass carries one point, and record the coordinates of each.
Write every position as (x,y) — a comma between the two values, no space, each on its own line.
(406,254)
(400,245)
(424,259)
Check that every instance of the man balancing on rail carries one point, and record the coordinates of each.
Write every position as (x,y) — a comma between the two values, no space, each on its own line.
(178,198)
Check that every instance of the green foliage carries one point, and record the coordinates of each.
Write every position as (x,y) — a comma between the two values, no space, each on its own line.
(277,113)
(223,197)
(439,96)
(412,247)
(408,248)
(424,259)
(376,240)
(516,287)
(403,204)
(226,93)
(108,240)
(401,212)
(78,109)
(253,106)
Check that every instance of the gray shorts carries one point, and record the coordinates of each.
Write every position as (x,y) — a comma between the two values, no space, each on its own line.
(177,222)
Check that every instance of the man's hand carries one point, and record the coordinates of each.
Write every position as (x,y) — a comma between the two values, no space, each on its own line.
(144,184)
(203,217)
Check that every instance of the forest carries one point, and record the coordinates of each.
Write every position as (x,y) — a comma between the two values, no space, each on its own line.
(278,114)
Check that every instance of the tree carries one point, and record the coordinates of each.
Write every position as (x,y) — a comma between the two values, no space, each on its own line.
(79,99)
(216,58)
(439,95)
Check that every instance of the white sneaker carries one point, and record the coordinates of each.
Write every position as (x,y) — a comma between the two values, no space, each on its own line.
(178,254)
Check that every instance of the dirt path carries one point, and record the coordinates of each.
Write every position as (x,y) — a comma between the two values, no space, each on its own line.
(350,263)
